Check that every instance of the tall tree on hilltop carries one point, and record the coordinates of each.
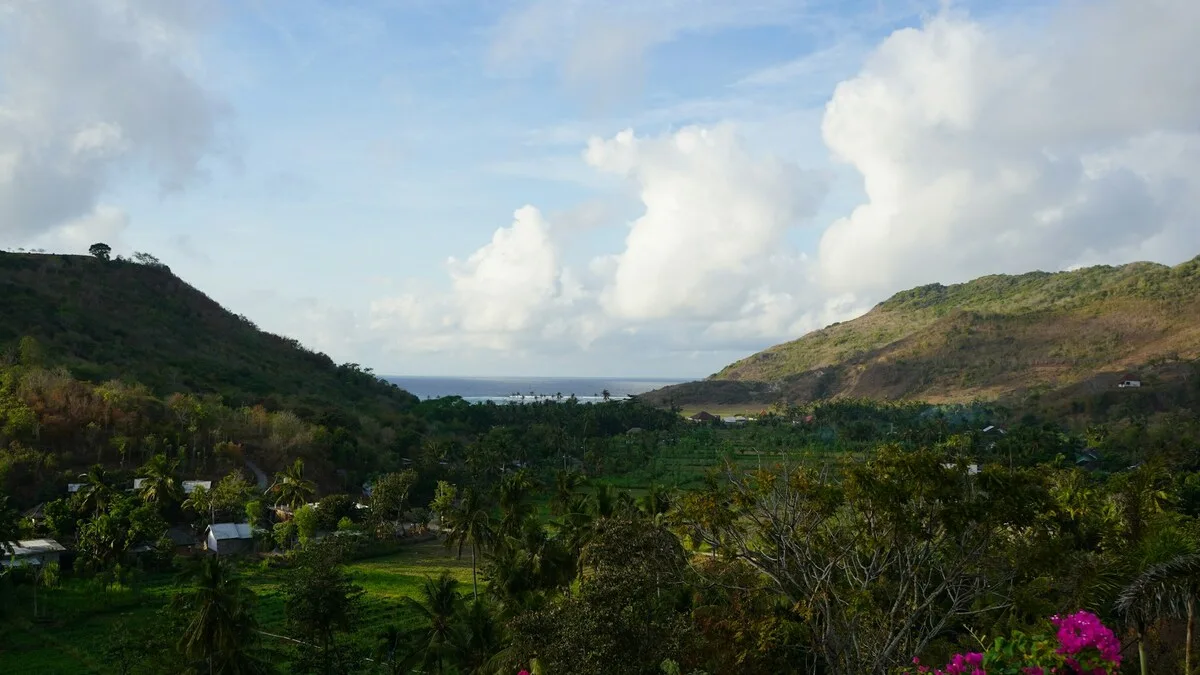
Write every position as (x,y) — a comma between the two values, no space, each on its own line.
(100,251)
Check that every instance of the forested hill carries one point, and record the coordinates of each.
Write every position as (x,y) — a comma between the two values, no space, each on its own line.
(136,321)
(987,338)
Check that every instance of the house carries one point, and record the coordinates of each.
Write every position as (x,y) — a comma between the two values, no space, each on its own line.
(972,469)
(704,416)
(31,552)
(182,539)
(993,429)
(36,516)
(74,487)
(1128,380)
(229,538)
(189,486)
(735,419)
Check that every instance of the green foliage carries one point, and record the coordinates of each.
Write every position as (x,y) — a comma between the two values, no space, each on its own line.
(992,336)
(321,600)
(305,518)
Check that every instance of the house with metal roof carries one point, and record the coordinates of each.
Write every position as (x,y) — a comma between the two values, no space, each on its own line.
(30,552)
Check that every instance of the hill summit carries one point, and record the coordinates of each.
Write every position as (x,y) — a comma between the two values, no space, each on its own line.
(984,339)
(120,319)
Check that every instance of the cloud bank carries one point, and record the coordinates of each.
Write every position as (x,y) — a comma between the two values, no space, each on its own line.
(982,148)
(89,91)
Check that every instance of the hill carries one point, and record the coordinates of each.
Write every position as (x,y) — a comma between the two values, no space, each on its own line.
(993,337)
(124,320)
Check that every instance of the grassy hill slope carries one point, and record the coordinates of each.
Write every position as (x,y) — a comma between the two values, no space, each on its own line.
(986,338)
(123,320)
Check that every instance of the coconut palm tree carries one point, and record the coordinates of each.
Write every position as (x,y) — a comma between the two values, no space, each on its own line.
(97,489)
(470,523)
(434,639)
(565,484)
(291,488)
(159,484)
(221,630)
(1169,589)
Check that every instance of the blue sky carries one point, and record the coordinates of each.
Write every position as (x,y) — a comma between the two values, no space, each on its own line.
(581,187)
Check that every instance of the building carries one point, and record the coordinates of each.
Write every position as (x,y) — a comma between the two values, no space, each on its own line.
(189,486)
(31,552)
(704,416)
(1128,381)
(229,538)
(183,540)
(735,419)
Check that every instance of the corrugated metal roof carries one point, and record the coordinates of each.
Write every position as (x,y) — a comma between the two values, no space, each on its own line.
(232,531)
(34,547)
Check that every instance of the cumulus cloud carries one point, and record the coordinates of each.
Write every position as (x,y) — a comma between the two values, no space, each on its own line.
(90,89)
(714,214)
(983,149)
(709,243)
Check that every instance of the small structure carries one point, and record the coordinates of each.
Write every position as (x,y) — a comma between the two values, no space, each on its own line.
(229,538)
(189,486)
(36,516)
(35,552)
(1128,381)
(993,429)
(704,416)
(74,487)
(182,539)
(735,419)
(972,469)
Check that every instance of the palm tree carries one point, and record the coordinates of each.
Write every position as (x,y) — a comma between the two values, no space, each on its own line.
(515,489)
(96,490)
(1167,589)
(291,488)
(9,527)
(565,484)
(159,485)
(221,629)
(478,640)
(437,610)
(389,646)
(471,523)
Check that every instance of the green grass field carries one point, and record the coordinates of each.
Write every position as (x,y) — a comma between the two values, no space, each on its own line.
(84,616)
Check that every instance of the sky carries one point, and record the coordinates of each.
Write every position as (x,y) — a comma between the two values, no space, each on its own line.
(595,187)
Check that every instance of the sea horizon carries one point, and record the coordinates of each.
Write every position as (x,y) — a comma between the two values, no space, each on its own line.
(524,388)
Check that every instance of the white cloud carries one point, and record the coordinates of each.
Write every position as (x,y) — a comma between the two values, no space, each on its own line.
(985,150)
(600,44)
(714,214)
(89,88)
(709,243)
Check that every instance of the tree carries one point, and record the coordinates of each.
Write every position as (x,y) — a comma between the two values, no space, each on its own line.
(291,488)
(10,530)
(96,491)
(1164,590)
(433,638)
(470,523)
(159,484)
(221,631)
(321,600)
(565,484)
(389,497)
(100,251)
(305,519)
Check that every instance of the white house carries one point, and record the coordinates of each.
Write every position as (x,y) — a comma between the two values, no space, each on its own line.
(229,538)
(1129,381)
(74,487)
(31,552)
(189,486)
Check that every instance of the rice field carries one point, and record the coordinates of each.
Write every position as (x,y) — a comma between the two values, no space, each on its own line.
(85,616)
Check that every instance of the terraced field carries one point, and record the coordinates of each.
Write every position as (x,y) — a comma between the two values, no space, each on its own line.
(86,616)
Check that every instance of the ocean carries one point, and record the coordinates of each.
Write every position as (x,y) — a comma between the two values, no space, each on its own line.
(521,389)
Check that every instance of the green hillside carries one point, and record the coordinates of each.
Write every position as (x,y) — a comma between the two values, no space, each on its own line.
(990,337)
(138,322)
